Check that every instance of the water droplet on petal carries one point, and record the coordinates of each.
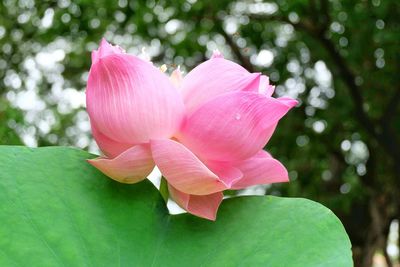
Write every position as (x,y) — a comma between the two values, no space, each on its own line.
(237,117)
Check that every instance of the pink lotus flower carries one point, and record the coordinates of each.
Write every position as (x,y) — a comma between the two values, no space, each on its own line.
(205,131)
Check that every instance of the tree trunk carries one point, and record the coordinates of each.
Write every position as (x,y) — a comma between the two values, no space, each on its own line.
(369,231)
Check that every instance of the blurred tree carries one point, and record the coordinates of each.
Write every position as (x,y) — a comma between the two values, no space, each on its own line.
(339,58)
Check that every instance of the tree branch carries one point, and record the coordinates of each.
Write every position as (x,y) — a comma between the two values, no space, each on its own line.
(384,137)
(301,25)
(349,80)
(391,108)
(326,19)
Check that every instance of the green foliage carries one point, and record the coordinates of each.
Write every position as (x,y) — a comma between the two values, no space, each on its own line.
(164,189)
(57,210)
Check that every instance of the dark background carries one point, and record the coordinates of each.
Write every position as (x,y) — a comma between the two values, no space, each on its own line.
(339,58)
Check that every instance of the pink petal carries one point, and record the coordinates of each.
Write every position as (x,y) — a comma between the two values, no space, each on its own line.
(176,77)
(104,50)
(131,101)
(130,167)
(183,170)
(217,54)
(265,88)
(203,206)
(288,101)
(108,146)
(233,126)
(225,172)
(214,77)
(261,169)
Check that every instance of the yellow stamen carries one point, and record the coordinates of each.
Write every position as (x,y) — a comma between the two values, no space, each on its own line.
(163,68)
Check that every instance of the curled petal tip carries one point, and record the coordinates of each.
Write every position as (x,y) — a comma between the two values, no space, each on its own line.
(217,54)
(261,169)
(290,102)
(202,206)
(210,217)
(284,180)
(104,42)
(91,161)
(226,173)
(265,87)
(131,166)
(105,49)
(254,81)
(271,89)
